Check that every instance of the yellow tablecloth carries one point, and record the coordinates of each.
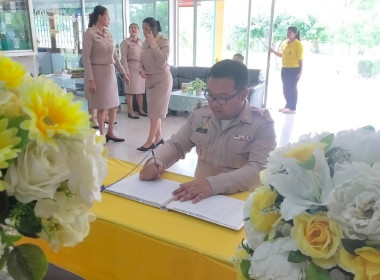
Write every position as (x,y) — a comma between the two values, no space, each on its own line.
(130,240)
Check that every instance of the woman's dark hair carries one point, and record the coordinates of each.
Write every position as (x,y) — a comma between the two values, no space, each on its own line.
(229,68)
(154,24)
(295,31)
(93,17)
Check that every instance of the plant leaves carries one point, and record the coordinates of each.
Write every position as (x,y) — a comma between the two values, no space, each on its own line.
(350,245)
(328,140)
(373,243)
(315,272)
(4,258)
(309,164)
(296,257)
(9,236)
(21,132)
(27,261)
(244,267)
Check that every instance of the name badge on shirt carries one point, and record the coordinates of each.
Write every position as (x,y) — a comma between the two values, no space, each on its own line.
(203,128)
(241,138)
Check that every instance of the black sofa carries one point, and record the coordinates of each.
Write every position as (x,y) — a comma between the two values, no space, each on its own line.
(186,74)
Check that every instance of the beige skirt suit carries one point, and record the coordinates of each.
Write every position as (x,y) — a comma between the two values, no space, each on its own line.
(130,51)
(99,59)
(159,82)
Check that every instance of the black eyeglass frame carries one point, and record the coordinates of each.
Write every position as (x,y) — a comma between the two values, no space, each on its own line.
(220,100)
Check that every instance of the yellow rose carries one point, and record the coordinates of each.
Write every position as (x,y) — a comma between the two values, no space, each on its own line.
(364,266)
(304,151)
(317,236)
(263,198)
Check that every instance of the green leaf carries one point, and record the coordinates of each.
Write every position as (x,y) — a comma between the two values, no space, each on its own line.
(328,140)
(315,272)
(4,258)
(309,164)
(350,245)
(373,243)
(21,132)
(296,257)
(27,261)
(9,236)
(244,266)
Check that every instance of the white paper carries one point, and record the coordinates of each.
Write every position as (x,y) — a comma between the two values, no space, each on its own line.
(220,209)
(157,192)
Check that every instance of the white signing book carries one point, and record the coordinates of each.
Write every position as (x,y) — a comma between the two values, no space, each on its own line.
(219,209)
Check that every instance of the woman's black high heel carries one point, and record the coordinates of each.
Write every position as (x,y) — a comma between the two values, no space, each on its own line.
(143,149)
(108,138)
(160,142)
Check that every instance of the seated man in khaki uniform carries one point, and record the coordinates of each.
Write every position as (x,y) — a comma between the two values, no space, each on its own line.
(232,139)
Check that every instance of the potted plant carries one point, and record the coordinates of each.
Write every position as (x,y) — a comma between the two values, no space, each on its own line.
(196,85)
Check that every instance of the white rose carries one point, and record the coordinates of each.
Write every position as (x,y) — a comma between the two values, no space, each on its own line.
(37,172)
(355,201)
(88,168)
(270,261)
(362,144)
(66,220)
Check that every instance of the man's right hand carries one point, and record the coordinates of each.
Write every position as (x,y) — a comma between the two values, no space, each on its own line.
(151,171)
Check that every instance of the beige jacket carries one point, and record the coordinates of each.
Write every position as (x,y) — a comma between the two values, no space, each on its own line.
(155,59)
(130,51)
(230,159)
(98,48)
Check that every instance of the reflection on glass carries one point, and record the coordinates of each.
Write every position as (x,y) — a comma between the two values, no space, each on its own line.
(58,25)
(186,32)
(15,31)
(205,33)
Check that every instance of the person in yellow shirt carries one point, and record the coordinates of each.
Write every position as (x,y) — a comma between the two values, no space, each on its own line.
(292,60)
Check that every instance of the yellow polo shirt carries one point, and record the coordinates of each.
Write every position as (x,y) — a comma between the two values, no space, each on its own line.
(291,54)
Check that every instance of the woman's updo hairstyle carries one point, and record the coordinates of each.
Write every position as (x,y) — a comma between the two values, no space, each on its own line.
(93,17)
(154,24)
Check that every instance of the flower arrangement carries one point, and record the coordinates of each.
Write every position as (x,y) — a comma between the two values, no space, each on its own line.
(317,213)
(52,165)
(197,86)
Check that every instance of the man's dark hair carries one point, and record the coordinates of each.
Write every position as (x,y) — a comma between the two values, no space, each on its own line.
(231,69)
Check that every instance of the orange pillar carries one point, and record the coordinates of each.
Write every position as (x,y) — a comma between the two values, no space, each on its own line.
(219,22)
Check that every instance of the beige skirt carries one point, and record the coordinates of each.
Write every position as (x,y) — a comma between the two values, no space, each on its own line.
(106,95)
(137,83)
(158,89)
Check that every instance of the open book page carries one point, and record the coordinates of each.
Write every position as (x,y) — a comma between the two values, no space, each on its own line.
(155,193)
(219,209)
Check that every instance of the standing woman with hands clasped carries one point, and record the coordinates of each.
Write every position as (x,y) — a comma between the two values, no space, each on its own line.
(292,61)
(130,49)
(99,60)
(158,79)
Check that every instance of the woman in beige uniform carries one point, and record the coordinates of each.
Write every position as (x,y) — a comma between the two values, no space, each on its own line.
(158,79)
(99,57)
(130,49)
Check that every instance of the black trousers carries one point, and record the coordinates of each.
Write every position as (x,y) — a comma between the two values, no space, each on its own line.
(289,83)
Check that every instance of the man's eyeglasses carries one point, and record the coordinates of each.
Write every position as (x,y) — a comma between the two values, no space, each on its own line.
(220,100)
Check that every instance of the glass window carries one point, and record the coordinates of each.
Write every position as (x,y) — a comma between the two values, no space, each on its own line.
(139,10)
(15,30)
(115,11)
(185,33)
(205,33)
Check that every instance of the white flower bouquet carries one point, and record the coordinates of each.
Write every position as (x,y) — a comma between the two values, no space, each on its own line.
(317,213)
(52,165)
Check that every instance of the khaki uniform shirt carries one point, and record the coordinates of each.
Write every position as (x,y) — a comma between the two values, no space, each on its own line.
(130,51)
(155,59)
(230,159)
(98,48)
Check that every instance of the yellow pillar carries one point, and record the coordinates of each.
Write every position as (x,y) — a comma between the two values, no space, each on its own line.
(219,21)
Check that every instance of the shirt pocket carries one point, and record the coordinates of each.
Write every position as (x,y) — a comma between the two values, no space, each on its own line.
(237,152)
(201,141)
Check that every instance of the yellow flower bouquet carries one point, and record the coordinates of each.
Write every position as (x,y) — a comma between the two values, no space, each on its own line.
(52,165)
(317,214)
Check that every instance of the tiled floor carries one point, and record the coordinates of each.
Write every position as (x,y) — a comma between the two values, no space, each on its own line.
(314,114)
